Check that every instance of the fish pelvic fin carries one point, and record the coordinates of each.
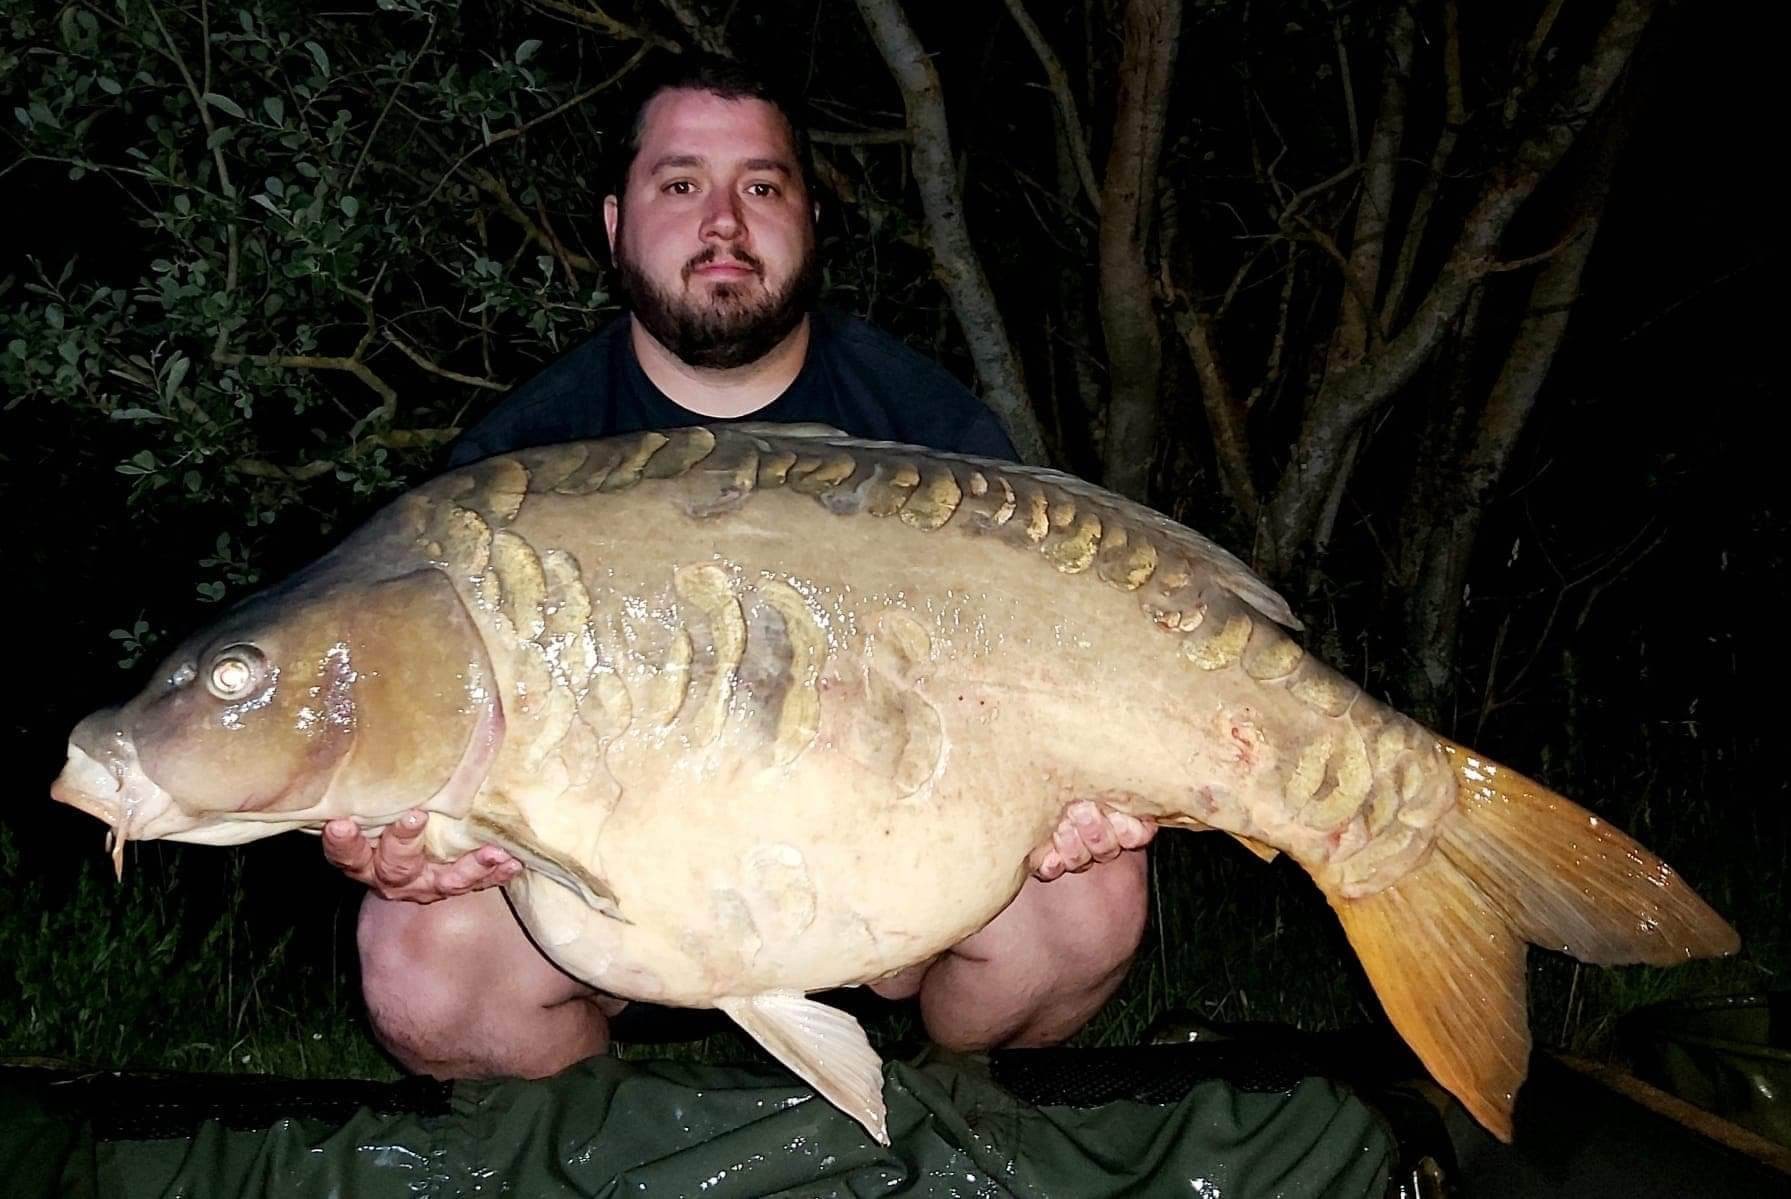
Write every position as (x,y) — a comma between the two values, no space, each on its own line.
(824,1046)
(1516,863)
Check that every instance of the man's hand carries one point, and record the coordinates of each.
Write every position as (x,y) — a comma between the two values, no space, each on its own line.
(1089,833)
(394,866)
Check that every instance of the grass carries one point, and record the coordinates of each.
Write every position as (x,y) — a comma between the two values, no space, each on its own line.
(174,969)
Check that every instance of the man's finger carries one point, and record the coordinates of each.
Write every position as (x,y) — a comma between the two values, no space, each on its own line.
(345,847)
(1133,833)
(1092,827)
(1070,847)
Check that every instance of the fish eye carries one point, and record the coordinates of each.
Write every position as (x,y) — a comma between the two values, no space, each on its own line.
(235,672)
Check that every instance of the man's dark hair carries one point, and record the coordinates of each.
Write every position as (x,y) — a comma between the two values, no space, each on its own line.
(699,72)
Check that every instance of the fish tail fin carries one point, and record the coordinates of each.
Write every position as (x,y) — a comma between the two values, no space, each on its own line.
(1445,946)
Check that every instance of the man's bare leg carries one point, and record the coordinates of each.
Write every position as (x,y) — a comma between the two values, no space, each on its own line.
(456,989)
(1041,969)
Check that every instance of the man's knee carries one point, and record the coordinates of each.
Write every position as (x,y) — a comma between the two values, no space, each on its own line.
(455,989)
(1045,966)
(1099,929)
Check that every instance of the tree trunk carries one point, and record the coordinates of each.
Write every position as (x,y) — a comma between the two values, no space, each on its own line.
(1433,609)
(955,259)
(1128,200)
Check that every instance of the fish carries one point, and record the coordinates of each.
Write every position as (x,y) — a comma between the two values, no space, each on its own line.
(767,710)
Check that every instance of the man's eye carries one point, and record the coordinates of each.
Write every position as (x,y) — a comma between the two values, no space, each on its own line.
(762,189)
(680,187)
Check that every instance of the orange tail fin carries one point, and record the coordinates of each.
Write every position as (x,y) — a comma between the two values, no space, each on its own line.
(1444,947)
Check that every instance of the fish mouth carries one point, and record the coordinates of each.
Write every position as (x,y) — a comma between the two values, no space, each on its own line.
(115,791)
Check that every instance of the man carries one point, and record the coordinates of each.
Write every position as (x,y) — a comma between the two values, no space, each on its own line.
(712,229)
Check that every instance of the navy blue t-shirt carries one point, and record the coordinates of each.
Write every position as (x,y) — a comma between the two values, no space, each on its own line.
(856,378)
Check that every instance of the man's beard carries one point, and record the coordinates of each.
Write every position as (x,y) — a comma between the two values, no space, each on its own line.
(738,326)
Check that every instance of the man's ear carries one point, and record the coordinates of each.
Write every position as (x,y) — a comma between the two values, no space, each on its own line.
(611,209)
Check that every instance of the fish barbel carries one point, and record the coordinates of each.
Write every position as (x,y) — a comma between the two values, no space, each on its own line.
(769,710)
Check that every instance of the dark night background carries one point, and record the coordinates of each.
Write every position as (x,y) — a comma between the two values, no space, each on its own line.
(1621,636)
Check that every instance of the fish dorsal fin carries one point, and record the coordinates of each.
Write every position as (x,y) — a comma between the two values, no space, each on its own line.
(1230,571)
(771,428)
(824,1046)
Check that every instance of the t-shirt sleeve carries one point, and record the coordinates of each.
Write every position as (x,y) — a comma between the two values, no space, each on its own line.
(913,398)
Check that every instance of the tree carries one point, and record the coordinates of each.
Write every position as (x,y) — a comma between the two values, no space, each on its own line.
(332,236)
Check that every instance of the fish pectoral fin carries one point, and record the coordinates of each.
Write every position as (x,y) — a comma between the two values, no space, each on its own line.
(569,874)
(824,1047)
(1267,853)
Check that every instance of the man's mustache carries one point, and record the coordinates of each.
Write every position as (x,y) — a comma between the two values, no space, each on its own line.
(713,254)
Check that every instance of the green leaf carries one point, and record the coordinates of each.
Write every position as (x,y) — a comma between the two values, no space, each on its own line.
(219,137)
(53,316)
(182,204)
(274,186)
(275,109)
(319,57)
(527,50)
(177,373)
(225,104)
(109,85)
(211,591)
(350,206)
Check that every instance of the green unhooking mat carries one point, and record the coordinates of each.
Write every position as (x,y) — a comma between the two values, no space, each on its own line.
(1124,1122)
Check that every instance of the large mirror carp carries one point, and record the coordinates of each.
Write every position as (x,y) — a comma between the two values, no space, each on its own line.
(766,710)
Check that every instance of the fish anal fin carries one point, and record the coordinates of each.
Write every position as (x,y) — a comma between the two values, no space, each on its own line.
(1449,971)
(824,1046)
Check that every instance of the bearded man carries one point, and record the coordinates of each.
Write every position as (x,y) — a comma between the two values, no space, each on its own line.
(711,224)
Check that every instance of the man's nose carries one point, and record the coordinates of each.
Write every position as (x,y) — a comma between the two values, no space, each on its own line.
(722,218)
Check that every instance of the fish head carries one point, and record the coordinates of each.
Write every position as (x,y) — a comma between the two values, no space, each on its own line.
(331,696)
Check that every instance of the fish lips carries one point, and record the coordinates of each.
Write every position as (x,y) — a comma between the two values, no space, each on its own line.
(113,788)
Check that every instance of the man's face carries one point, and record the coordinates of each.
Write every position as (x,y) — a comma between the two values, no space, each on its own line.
(714,236)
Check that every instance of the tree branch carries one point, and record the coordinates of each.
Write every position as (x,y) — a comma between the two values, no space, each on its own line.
(494,187)
(232,252)
(593,17)
(1059,82)
(518,130)
(1355,329)
(410,352)
(1347,399)
(403,81)
(1455,115)
(706,33)
(954,256)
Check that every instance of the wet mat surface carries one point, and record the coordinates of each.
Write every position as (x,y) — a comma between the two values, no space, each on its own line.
(611,1128)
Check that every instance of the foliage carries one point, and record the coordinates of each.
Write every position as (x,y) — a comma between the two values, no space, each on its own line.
(282,246)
